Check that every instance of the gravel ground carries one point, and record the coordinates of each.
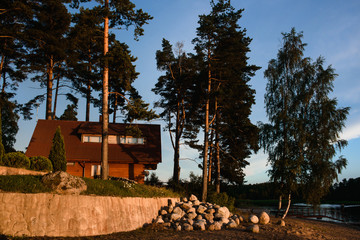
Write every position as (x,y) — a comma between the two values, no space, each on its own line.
(295,229)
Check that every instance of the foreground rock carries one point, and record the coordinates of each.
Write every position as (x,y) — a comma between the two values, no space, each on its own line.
(253,228)
(191,214)
(264,218)
(64,183)
(281,222)
(253,219)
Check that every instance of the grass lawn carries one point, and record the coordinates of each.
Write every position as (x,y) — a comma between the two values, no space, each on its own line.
(33,184)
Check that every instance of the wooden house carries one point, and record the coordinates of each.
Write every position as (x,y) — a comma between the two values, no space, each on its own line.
(129,156)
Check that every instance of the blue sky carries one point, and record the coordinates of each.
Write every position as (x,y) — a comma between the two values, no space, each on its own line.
(331,29)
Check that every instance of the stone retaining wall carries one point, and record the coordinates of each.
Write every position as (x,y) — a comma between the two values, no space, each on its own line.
(18,171)
(68,215)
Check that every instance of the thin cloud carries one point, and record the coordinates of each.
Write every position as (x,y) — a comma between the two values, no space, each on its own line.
(351,132)
(256,171)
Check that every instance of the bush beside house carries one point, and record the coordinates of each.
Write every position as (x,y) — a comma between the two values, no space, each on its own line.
(20,160)
(40,163)
(16,159)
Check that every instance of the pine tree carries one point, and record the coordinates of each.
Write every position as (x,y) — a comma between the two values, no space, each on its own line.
(46,41)
(122,75)
(9,122)
(174,88)
(221,48)
(57,154)
(13,14)
(70,113)
(116,13)
(85,54)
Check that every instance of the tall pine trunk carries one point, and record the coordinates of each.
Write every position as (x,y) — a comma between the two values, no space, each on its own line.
(48,114)
(176,170)
(206,134)
(217,149)
(115,108)
(56,97)
(2,66)
(105,91)
(88,96)
(88,90)
(210,155)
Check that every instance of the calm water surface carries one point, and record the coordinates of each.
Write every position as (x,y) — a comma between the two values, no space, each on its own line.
(326,212)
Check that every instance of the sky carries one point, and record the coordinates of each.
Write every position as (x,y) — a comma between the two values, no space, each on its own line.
(330,28)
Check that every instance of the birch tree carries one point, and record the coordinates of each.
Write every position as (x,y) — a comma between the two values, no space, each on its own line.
(303,134)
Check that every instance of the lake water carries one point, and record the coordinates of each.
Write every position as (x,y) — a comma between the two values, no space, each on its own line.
(326,212)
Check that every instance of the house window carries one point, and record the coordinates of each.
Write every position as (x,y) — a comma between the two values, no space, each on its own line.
(92,138)
(95,170)
(131,140)
(95,139)
(114,139)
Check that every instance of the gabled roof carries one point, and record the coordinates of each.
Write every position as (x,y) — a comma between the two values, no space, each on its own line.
(76,150)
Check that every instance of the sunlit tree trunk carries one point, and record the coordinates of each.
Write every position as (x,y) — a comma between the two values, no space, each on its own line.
(279,206)
(176,173)
(217,148)
(56,97)
(210,155)
(88,91)
(105,91)
(48,114)
(2,66)
(88,96)
(206,134)
(287,208)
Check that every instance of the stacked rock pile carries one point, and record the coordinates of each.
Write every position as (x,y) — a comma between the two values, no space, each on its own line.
(191,214)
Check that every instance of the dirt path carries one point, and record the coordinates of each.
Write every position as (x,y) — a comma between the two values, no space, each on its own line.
(295,229)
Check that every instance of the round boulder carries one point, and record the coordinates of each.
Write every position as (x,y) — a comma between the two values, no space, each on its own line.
(191,215)
(193,197)
(201,209)
(175,216)
(64,183)
(217,225)
(200,225)
(232,224)
(281,222)
(224,211)
(187,227)
(264,218)
(253,219)
(186,206)
(253,228)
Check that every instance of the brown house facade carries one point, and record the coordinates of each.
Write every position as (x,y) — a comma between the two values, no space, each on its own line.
(129,156)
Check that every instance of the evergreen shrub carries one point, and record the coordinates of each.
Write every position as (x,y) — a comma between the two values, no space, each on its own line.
(57,154)
(17,160)
(40,163)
